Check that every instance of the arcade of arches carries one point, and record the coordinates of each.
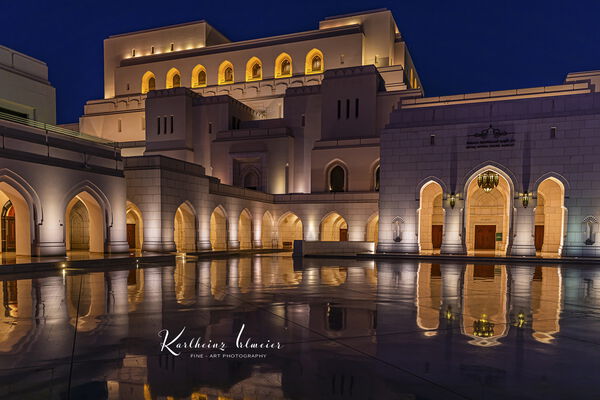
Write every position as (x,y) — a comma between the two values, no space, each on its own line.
(488,216)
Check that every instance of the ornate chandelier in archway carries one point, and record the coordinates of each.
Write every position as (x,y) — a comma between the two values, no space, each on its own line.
(488,180)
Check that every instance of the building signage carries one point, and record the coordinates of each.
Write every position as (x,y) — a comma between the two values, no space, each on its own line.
(490,137)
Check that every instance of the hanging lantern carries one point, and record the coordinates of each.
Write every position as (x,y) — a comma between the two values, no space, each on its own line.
(488,180)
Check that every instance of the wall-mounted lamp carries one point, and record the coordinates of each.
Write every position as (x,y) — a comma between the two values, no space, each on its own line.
(525,198)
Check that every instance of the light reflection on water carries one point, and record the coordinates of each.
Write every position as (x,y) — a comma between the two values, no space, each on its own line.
(351,330)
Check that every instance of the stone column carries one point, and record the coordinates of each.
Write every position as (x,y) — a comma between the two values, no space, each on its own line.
(523,229)
(453,240)
(233,226)
(257,231)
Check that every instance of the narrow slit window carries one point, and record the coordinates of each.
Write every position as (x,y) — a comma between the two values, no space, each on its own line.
(152,50)
(347,108)
(432,140)
(210,127)
(165,124)
(143,123)
(339,109)
(119,126)
(303,122)
(356,108)
(553,132)
(158,126)
(132,52)
(172,46)
(171,124)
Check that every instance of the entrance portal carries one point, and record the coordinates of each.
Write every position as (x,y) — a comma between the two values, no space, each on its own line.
(487,214)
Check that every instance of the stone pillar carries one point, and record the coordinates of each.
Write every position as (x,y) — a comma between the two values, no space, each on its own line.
(232,233)
(523,229)
(451,289)
(521,277)
(453,240)
(257,232)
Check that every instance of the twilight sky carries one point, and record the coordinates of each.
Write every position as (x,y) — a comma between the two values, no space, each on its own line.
(457,46)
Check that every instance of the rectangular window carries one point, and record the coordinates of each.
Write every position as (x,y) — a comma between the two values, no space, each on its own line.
(158,126)
(347,108)
(210,127)
(432,140)
(356,108)
(132,52)
(553,132)
(339,109)
(143,123)
(164,124)
(172,46)
(303,122)
(171,124)
(152,50)
(119,125)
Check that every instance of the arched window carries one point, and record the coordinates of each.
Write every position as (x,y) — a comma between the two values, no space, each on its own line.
(283,66)
(225,73)
(173,78)
(376,185)
(337,179)
(198,76)
(148,82)
(251,180)
(253,69)
(314,62)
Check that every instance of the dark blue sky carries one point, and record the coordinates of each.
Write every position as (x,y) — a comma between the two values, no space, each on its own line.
(457,46)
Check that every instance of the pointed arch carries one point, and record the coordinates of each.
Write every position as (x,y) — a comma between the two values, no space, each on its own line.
(372,230)
(135,226)
(333,228)
(431,216)
(226,73)
(254,71)
(85,223)
(173,78)
(283,66)
(289,228)
(488,222)
(218,228)
(336,176)
(315,63)
(267,230)
(550,215)
(148,82)
(199,77)
(245,229)
(185,228)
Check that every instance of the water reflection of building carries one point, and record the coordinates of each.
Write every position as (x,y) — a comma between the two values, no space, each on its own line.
(120,313)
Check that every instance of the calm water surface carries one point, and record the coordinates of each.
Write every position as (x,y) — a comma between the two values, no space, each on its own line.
(348,330)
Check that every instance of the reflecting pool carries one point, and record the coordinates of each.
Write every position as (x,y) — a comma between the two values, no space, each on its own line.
(270,327)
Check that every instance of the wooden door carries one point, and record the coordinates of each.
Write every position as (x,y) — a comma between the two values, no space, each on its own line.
(9,233)
(343,235)
(539,237)
(485,237)
(131,235)
(436,236)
